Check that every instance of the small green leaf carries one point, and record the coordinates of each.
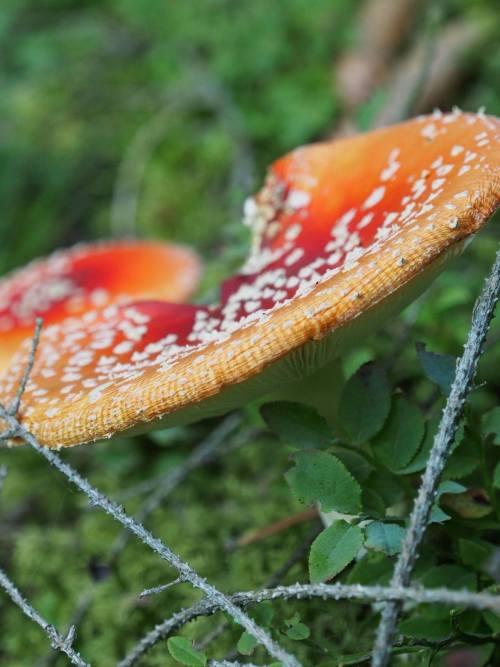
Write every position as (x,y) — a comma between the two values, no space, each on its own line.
(496,476)
(263,614)
(474,553)
(446,487)
(333,550)
(426,628)
(399,440)
(297,630)
(182,651)
(364,403)
(491,425)
(246,644)
(321,477)
(373,568)
(439,368)
(297,424)
(386,537)
(373,503)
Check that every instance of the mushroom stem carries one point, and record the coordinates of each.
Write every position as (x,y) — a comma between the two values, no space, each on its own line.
(320,390)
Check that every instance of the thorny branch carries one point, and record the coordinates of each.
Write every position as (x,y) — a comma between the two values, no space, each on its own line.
(59,643)
(186,572)
(464,376)
(305,591)
(213,446)
(64,644)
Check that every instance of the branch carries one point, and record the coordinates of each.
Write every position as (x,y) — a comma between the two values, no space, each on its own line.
(13,408)
(452,413)
(187,573)
(370,594)
(63,644)
(213,446)
(205,452)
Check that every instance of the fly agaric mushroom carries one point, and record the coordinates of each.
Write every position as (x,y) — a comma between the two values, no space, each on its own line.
(344,234)
(86,277)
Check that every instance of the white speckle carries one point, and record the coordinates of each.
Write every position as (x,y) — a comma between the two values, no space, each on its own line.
(294,256)
(456,150)
(298,199)
(437,183)
(375,197)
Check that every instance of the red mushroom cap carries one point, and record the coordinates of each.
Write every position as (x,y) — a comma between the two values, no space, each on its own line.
(86,277)
(345,233)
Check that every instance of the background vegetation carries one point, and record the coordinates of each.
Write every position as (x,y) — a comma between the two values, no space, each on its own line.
(201,96)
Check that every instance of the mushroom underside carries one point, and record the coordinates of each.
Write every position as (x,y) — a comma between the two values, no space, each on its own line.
(293,377)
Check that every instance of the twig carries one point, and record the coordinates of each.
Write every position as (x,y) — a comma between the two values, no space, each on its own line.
(13,408)
(3,475)
(159,589)
(271,582)
(60,643)
(205,452)
(277,527)
(452,413)
(304,591)
(114,510)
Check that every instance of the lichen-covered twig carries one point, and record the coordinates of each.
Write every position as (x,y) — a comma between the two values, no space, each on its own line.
(305,591)
(60,643)
(187,573)
(214,445)
(205,452)
(452,413)
(13,408)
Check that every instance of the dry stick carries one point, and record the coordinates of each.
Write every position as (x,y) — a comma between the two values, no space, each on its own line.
(370,594)
(202,454)
(60,643)
(452,413)
(205,452)
(13,408)
(3,475)
(114,510)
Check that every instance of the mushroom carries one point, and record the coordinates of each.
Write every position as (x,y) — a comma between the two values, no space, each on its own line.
(345,234)
(87,277)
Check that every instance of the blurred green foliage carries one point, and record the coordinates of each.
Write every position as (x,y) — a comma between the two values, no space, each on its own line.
(201,95)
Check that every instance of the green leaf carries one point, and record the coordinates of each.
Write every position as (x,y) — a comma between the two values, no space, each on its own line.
(364,404)
(297,424)
(321,477)
(297,630)
(246,644)
(373,568)
(398,442)
(373,503)
(496,476)
(333,550)
(263,614)
(474,553)
(448,486)
(386,537)
(491,425)
(439,368)
(182,651)
(426,628)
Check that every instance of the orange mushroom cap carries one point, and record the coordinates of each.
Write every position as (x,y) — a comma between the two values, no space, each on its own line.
(86,277)
(344,234)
